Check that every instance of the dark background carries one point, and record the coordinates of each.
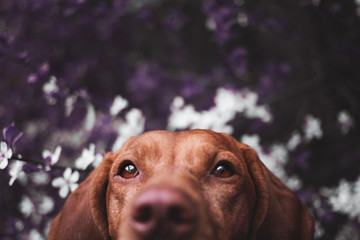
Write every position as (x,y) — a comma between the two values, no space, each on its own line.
(300,57)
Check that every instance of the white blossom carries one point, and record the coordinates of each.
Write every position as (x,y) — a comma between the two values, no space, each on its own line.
(133,125)
(40,178)
(46,205)
(5,155)
(88,157)
(294,141)
(227,104)
(118,105)
(19,225)
(348,231)
(90,118)
(16,171)
(51,86)
(26,206)
(54,157)
(345,198)
(210,24)
(312,128)
(319,229)
(242,19)
(49,89)
(35,235)
(345,121)
(66,183)
(69,104)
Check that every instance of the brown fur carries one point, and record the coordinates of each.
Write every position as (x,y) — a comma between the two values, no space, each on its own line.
(252,204)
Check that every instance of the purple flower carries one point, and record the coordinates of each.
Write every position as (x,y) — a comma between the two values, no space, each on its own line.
(11,134)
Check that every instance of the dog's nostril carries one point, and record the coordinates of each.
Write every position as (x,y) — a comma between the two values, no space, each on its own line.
(179,215)
(143,214)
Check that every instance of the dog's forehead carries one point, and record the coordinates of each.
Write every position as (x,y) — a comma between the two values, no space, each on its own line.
(159,141)
(171,139)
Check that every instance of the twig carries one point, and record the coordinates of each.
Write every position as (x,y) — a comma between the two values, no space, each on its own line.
(62,167)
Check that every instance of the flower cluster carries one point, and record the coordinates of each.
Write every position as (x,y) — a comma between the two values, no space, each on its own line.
(78,78)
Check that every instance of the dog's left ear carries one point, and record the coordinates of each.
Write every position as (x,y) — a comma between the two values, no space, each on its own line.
(98,191)
(279,213)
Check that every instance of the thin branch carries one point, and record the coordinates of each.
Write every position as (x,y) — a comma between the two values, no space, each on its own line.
(62,167)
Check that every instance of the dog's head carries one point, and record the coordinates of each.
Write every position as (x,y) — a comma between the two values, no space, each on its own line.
(194,184)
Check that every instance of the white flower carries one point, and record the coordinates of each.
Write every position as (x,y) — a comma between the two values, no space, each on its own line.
(69,104)
(40,178)
(345,121)
(133,125)
(19,225)
(312,128)
(227,104)
(46,205)
(348,231)
(54,157)
(26,206)
(35,235)
(118,105)
(345,198)
(5,155)
(16,171)
(66,183)
(88,157)
(294,141)
(49,89)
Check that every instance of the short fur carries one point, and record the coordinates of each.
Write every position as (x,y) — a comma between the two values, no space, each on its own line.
(252,204)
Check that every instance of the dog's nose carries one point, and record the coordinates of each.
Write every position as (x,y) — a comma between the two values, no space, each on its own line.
(163,213)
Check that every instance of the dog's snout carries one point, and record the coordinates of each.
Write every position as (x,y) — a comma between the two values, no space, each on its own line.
(163,213)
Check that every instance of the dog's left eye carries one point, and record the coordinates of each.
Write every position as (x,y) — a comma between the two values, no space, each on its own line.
(128,170)
(223,170)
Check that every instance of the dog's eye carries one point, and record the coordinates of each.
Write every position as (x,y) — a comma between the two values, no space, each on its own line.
(128,170)
(223,170)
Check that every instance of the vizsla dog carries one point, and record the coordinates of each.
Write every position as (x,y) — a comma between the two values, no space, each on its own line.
(190,185)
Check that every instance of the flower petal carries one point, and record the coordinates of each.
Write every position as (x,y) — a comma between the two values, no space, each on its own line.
(58,182)
(67,173)
(46,154)
(64,191)
(9,153)
(55,157)
(3,147)
(74,177)
(73,186)
(3,163)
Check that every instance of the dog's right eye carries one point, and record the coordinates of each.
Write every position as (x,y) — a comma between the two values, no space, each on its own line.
(223,170)
(128,170)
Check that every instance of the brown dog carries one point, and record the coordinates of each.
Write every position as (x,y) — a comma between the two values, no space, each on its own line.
(191,185)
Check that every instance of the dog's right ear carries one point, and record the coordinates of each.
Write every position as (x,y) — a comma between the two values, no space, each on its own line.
(98,191)
(83,215)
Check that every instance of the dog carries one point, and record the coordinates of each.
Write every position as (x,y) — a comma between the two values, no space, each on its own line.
(189,185)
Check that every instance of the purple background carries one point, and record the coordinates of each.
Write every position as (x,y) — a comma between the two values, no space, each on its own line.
(300,57)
